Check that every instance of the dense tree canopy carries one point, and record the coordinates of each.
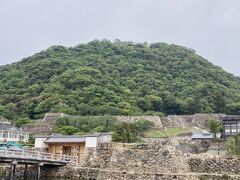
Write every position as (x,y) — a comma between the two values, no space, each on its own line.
(119,78)
(122,131)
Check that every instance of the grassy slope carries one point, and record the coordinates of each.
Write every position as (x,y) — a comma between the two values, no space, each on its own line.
(169,132)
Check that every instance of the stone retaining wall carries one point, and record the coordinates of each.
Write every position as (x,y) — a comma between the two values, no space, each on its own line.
(214,165)
(5,170)
(184,121)
(84,173)
(38,128)
(198,120)
(155,119)
(152,157)
(76,173)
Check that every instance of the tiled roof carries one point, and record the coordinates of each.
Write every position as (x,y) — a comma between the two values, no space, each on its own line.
(8,127)
(202,135)
(70,139)
(65,139)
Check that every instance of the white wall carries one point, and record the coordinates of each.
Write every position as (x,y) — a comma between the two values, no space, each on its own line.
(39,142)
(105,138)
(91,142)
(14,136)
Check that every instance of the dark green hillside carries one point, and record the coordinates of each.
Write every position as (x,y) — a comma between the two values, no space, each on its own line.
(120,78)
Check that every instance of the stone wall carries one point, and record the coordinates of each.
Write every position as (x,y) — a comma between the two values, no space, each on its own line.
(214,165)
(42,126)
(141,158)
(157,159)
(101,174)
(5,169)
(184,121)
(45,125)
(76,173)
(155,119)
(37,128)
(98,157)
(148,161)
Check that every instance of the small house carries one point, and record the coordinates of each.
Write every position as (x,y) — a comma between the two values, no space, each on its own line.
(202,135)
(71,145)
(231,125)
(8,132)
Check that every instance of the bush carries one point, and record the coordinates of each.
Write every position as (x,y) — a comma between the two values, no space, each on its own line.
(225,176)
(67,130)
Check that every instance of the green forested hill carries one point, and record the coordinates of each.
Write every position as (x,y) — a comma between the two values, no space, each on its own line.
(120,78)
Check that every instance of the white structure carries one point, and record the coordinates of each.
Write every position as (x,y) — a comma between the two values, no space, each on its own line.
(105,137)
(90,141)
(40,141)
(11,133)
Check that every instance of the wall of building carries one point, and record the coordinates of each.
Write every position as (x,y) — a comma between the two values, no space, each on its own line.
(77,149)
(105,138)
(39,142)
(91,142)
(14,136)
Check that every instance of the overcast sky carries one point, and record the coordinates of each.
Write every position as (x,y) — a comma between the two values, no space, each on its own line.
(211,27)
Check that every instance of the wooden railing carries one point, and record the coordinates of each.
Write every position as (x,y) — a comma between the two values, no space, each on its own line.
(34,155)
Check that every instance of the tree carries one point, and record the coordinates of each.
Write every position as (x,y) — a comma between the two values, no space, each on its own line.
(116,78)
(126,132)
(67,130)
(233,108)
(220,103)
(21,121)
(214,126)
(143,104)
(231,143)
(131,131)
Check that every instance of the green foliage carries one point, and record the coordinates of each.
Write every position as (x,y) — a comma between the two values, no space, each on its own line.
(131,132)
(144,125)
(89,123)
(214,126)
(21,121)
(126,132)
(116,78)
(169,132)
(231,143)
(237,143)
(66,130)
(122,132)
(225,176)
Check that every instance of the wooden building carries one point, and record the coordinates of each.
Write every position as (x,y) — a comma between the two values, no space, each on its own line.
(66,145)
(71,145)
(231,125)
